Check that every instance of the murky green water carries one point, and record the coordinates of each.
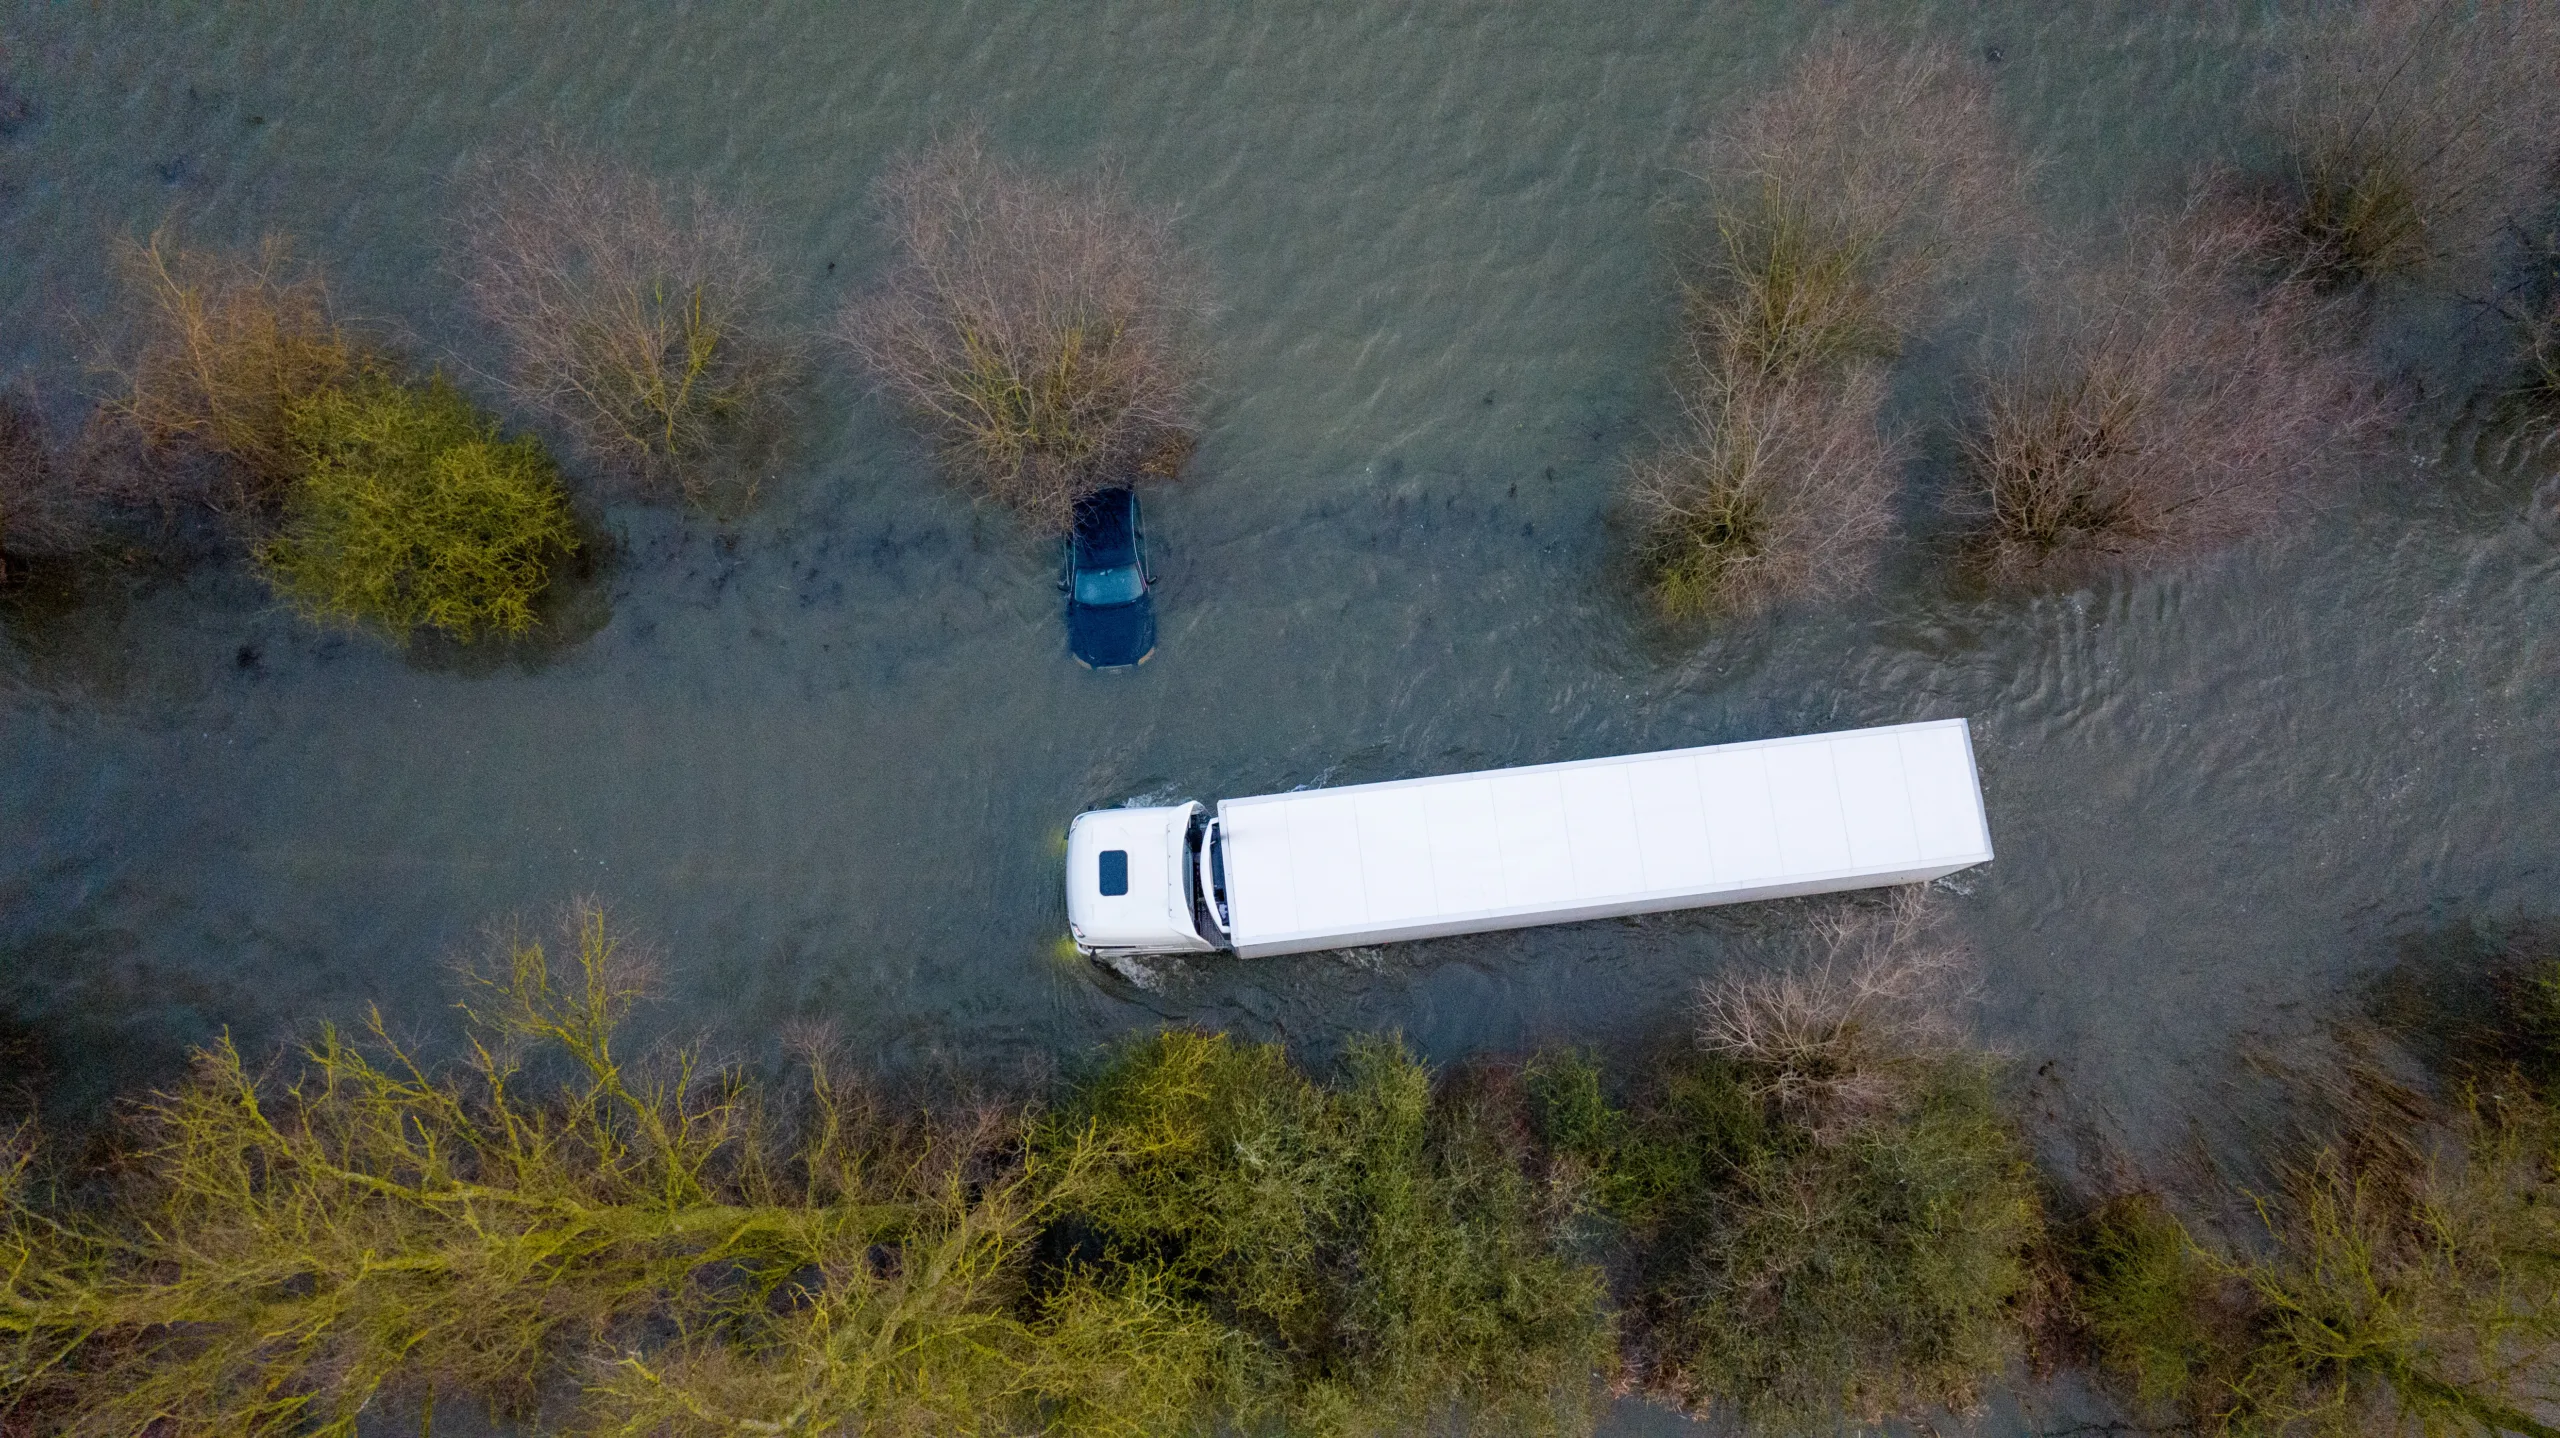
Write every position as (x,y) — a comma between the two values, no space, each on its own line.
(823,758)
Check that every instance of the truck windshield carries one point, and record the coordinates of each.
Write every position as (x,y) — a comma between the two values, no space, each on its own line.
(1208,906)
(1218,876)
(1103,588)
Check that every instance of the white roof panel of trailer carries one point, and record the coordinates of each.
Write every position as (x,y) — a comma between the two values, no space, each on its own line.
(1595,833)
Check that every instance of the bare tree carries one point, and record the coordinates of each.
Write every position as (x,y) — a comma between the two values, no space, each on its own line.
(2412,130)
(1838,199)
(2170,402)
(1769,490)
(220,347)
(1835,203)
(44,509)
(1044,333)
(1834,1033)
(641,316)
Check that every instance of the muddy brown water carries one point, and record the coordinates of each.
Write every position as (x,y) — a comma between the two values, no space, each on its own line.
(822,758)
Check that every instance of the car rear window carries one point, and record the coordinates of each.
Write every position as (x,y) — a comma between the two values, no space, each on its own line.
(1115,871)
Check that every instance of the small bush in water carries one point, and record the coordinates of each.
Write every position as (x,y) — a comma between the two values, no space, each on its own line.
(409,511)
(222,347)
(1770,490)
(1834,203)
(640,315)
(2150,1299)
(2170,403)
(1041,332)
(2412,130)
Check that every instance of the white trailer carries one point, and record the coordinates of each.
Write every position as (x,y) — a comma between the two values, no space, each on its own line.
(1544,844)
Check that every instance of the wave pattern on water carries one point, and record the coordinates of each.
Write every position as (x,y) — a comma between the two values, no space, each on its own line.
(823,759)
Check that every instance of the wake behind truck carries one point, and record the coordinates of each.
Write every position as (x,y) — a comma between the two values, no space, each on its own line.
(1542,844)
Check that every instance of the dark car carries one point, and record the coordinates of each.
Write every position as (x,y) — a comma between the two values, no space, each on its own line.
(1111,615)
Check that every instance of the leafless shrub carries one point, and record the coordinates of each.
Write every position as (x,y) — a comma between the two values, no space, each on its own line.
(1838,200)
(1042,332)
(2541,336)
(1770,490)
(2169,404)
(1835,203)
(2348,1092)
(59,495)
(42,510)
(221,345)
(640,315)
(2379,1264)
(1835,1036)
(2412,129)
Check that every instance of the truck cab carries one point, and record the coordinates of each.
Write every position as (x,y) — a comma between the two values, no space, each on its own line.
(1146,881)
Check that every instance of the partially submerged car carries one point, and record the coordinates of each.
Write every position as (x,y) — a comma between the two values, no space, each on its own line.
(1111,609)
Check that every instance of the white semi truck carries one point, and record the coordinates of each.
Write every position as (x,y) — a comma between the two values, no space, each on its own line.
(1544,844)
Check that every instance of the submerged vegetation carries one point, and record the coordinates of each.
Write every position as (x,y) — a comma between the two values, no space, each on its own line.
(2191,389)
(2398,1271)
(2205,385)
(1043,333)
(641,317)
(1766,490)
(1837,202)
(2208,384)
(2173,403)
(1834,205)
(222,347)
(2411,130)
(364,498)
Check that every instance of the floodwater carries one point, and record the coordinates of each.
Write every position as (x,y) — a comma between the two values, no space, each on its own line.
(821,758)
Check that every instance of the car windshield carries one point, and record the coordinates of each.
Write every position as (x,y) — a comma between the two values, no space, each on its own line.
(1102,587)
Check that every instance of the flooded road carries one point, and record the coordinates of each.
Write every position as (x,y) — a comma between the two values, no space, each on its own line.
(823,758)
